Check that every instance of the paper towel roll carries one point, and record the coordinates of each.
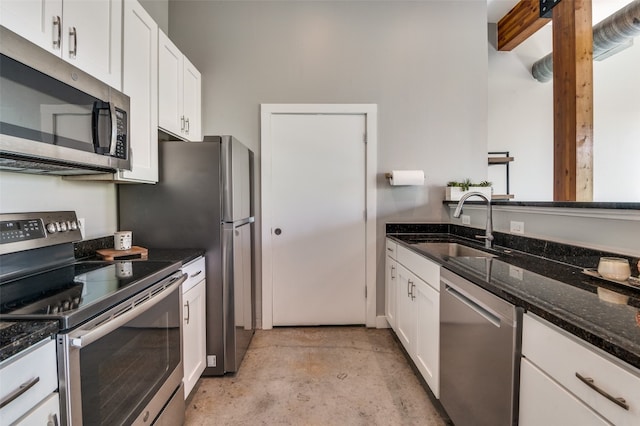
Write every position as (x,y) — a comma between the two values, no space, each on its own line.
(406,178)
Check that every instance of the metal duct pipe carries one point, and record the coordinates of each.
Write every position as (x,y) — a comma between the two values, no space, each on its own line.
(609,34)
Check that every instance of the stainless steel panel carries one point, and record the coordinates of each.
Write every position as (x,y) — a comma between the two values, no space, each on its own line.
(185,210)
(236,183)
(173,412)
(238,286)
(478,354)
(16,152)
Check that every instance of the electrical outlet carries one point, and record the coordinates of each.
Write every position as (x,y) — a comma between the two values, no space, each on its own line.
(211,361)
(81,226)
(517,227)
(466,219)
(515,272)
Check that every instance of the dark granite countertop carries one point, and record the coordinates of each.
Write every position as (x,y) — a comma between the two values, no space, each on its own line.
(178,255)
(86,250)
(553,289)
(16,336)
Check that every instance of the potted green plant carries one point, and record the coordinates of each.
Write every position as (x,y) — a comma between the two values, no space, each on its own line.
(456,189)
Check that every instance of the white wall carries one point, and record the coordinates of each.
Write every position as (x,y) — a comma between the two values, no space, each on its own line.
(521,121)
(610,230)
(423,63)
(159,11)
(93,201)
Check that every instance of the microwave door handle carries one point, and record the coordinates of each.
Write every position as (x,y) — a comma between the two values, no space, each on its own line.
(95,126)
(114,129)
(109,326)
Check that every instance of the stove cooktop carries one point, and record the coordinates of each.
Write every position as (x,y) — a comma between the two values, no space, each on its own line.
(74,293)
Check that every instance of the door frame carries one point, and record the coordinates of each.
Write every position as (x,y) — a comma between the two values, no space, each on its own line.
(370,112)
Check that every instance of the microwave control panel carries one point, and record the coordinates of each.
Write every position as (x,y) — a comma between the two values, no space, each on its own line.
(121,135)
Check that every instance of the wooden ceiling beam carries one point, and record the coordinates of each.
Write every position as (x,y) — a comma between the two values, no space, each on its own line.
(573,101)
(521,22)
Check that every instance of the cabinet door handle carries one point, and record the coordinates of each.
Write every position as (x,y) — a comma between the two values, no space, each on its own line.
(393,269)
(73,33)
(409,288)
(186,125)
(188,312)
(591,383)
(413,295)
(196,274)
(19,391)
(53,421)
(57,35)
(182,123)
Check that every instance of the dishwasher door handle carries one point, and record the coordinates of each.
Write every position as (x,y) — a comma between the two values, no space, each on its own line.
(481,310)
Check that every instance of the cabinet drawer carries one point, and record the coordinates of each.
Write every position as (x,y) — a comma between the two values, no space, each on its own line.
(196,272)
(563,357)
(545,402)
(46,413)
(391,248)
(425,269)
(36,369)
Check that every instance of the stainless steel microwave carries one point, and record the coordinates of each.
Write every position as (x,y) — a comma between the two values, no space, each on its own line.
(55,118)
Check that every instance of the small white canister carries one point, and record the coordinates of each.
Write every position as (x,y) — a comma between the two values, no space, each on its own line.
(122,240)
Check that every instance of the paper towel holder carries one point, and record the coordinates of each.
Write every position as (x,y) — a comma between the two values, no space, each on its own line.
(395,180)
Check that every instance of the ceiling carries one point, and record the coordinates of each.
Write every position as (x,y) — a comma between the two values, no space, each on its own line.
(496,9)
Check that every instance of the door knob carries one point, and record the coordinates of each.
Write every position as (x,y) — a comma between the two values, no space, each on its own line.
(278,231)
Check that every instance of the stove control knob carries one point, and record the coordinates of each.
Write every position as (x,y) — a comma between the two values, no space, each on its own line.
(51,228)
(63,226)
(72,225)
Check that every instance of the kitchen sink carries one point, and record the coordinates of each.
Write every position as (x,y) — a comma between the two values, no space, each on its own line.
(453,250)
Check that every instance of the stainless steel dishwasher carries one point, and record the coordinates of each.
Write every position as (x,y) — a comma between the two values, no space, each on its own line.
(480,342)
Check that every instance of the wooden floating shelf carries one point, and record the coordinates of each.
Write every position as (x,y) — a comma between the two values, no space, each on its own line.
(500,160)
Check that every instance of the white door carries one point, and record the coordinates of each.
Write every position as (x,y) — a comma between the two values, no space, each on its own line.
(318,224)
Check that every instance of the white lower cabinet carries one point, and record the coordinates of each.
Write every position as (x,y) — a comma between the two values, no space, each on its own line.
(417,312)
(194,326)
(46,413)
(391,283)
(544,402)
(427,347)
(28,386)
(563,377)
(406,321)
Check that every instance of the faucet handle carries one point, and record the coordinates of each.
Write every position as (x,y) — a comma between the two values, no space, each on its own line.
(485,237)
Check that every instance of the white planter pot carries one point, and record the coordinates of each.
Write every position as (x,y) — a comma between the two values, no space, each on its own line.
(454,193)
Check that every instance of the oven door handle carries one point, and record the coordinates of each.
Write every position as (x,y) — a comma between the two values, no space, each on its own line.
(107,327)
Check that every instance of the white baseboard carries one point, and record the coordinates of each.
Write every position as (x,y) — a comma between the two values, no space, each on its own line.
(381,321)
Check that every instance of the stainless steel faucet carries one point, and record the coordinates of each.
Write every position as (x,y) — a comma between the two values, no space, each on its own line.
(488,234)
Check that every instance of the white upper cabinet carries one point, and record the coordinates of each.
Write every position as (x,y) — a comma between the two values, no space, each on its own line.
(140,83)
(87,34)
(192,101)
(36,20)
(180,99)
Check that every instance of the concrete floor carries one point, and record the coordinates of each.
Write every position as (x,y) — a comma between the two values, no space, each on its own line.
(316,376)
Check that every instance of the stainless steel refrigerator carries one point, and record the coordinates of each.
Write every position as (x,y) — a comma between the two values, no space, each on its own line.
(204,199)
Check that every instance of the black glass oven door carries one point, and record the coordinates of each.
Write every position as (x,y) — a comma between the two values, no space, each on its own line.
(114,378)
